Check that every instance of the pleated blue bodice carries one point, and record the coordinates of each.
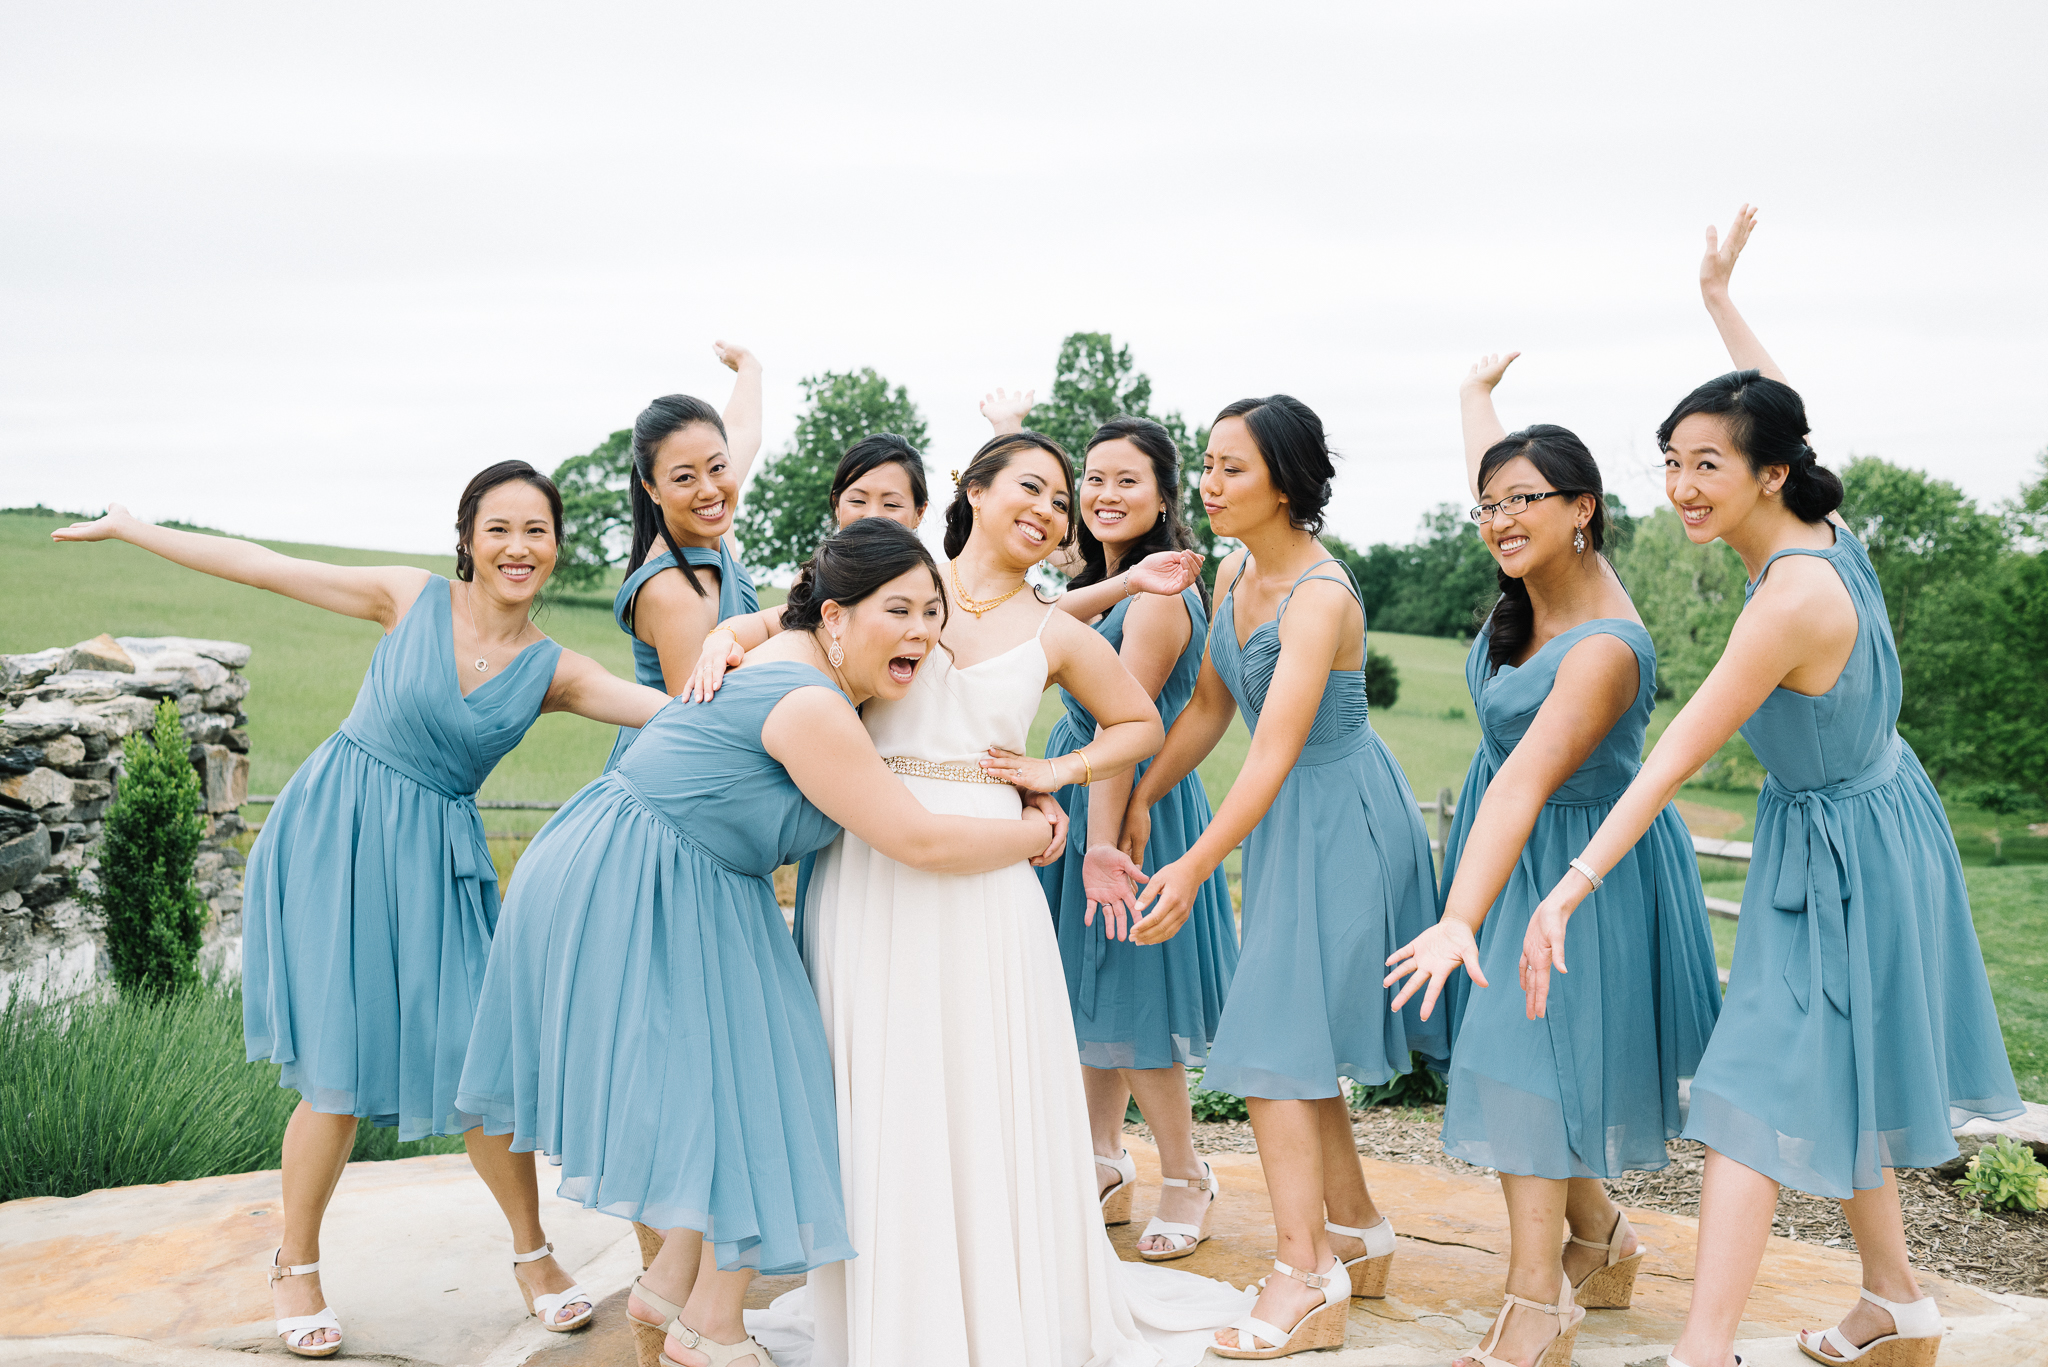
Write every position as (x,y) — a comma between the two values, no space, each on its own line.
(1508,699)
(735,596)
(1342,722)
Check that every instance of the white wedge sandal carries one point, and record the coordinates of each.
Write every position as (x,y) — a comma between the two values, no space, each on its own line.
(549,1305)
(1116,1202)
(295,1330)
(1192,1235)
(1369,1269)
(1321,1327)
(1914,1341)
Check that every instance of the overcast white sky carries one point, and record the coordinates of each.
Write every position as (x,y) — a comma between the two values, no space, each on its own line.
(298,272)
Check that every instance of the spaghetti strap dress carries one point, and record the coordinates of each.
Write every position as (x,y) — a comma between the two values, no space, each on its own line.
(1143,1006)
(645,1021)
(1337,876)
(370,896)
(1591,1090)
(735,596)
(1859,1028)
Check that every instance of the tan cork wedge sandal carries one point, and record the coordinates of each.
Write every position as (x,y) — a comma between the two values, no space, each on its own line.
(1369,1269)
(650,1243)
(721,1354)
(1322,1327)
(1915,1339)
(647,1338)
(1612,1285)
(1556,1353)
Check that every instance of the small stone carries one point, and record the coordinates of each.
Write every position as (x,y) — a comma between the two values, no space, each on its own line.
(100,771)
(206,728)
(63,752)
(101,652)
(227,904)
(44,889)
(38,719)
(61,814)
(236,739)
(96,748)
(223,697)
(188,704)
(62,914)
(70,857)
(22,860)
(225,775)
(82,812)
(26,671)
(230,653)
(119,716)
(14,822)
(23,758)
(10,900)
(36,789)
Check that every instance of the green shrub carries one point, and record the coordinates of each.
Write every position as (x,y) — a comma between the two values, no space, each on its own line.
(146,889)
(1382,680)
(1733,769)
(1208,1105)
(2005,1175)
(1417,1087)
(120,1091)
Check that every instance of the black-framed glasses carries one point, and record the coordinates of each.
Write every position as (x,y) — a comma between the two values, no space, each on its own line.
(1515,503)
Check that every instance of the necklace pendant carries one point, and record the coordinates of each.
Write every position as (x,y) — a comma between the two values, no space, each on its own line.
(482,665)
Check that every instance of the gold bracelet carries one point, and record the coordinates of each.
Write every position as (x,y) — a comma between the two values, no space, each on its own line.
(727,630)
(1087,769)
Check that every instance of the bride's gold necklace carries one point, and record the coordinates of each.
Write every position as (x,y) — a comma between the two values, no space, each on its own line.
(980,606)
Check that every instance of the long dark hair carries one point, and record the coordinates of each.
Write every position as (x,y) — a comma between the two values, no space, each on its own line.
(852,563)
(1563,460)
(1767,422)
(487,479)
(1290,439)
(1169,533)
(667,415)
(871,452)
(990,461)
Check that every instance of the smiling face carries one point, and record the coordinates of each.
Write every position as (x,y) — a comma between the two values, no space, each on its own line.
(692,478)
(1708,479)
(1238,491)
(882,492)
(512,542)
(1119,493)
(1542,532)
(1025,510)
(887,634)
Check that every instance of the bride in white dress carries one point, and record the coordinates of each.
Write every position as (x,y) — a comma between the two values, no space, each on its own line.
(963,1131)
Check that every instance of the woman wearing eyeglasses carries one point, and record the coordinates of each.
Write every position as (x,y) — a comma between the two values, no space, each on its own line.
(1563,679)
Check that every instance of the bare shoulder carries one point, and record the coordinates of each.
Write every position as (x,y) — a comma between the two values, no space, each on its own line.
(1803,591)
(1326,599)
(1232,566)
(1600,660)
(1157,611)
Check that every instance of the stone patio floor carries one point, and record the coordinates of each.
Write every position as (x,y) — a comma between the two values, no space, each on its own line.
(416,1264)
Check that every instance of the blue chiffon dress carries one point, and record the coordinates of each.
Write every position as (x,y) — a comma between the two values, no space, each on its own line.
(1337,876)
(1859,1028)
(645,1020)
(735,596)
(1143,1006)
(370,896)
(1591,1090)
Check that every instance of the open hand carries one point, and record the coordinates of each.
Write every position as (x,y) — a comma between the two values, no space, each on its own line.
(733,356)
(104,528)
(1166,572)
(721,652)
(1487,370)
(1110,881)
(1543,950)
(1006,411)
(1719,263)
(1049,808)
(1431,958)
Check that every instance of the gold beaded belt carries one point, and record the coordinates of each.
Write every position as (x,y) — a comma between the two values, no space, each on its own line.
(955,770)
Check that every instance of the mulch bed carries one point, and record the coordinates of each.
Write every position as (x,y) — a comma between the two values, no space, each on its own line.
(1948,1231)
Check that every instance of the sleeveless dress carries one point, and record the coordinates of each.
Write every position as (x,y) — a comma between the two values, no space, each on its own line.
(1337,876)
(1859,1028)
(1591,1090)
(645,1021)
(1143,1006)
(370,897)
(735,596)
(963,1130)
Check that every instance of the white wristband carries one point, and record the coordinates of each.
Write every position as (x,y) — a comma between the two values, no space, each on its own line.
(1591,877)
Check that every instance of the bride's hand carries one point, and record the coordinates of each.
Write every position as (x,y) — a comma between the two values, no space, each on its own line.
(1110,881)
(1049,808)
(1032,775)
(104,528)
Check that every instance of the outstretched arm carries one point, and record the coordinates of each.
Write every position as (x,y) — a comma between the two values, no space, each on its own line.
(743,410)
(1475,411)
(725,645)
(586,688)
(1716,267)
(1162,572)
(378,594)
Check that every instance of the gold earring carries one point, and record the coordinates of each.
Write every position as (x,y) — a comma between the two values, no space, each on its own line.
(836,653)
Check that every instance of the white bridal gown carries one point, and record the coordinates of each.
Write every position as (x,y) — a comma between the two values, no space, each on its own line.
(963,1133)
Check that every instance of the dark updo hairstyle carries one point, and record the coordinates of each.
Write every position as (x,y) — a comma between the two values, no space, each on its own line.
(1290,439)
(990,461)
(667,415)
(1568,467)
(1767,422)
(504,472)
(852,563)
(1169,533)
(869,453)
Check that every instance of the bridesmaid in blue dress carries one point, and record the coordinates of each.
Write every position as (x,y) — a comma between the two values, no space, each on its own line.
(645,1019)
(688,465)
(370,897)
(1858,1027)
(1563,679)
(1337,869)
(1142,1013)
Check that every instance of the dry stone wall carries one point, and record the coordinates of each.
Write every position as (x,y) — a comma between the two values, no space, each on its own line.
(64,714)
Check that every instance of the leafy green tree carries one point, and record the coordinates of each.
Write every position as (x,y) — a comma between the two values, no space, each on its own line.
(1435,586)
(1688,596)
(1920,532)
(785,512)
(597,511)
(1095,380)
(146,887)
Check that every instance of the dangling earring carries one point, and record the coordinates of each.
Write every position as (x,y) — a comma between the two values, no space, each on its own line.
(977,511)
(836,653)
(1579,541)
(1162,516)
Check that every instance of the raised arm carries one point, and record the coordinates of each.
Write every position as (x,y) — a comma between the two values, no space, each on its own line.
(378,594)
(1163,572)
(819,739)
(586,688)
(1006,411)
(1475,412)
(1716,267)
(1596,682)
(743,410)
